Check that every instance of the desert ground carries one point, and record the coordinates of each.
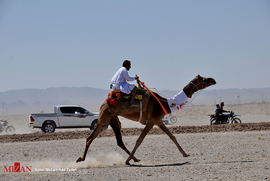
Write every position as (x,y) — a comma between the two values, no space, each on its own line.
(219,152)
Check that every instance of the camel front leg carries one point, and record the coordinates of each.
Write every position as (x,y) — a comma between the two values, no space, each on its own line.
(147,128)
(89,140)
(116,126)
(166,130)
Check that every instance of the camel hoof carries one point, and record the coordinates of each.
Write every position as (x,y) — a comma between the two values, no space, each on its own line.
(186,155)
(80,160)
(127,163)
(136,160)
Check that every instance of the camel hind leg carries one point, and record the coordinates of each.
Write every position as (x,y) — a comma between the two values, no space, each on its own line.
(166,130)
(116,126)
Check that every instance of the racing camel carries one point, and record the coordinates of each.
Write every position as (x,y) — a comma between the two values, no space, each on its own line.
(150,113)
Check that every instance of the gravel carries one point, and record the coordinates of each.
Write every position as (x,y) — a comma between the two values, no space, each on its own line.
(213,156)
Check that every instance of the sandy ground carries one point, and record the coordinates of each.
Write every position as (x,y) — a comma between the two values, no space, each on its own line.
(213,156)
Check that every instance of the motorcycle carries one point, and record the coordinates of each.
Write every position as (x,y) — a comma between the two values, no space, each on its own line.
(168,117)
(4,126)
(231,118)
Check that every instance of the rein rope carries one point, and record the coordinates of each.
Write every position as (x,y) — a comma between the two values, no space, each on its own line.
(197,91)
(200,91)
(191,83)
(142,83)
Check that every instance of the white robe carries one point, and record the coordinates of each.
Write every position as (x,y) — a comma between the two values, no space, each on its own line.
(176,102)
(119,81)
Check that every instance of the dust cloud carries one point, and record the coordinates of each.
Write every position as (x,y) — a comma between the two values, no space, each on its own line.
(99,160)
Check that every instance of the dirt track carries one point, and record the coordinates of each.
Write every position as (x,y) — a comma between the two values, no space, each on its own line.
(134,131)
(220,152)
(213,156)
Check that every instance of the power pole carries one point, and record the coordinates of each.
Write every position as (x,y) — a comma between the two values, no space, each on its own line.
(238,99)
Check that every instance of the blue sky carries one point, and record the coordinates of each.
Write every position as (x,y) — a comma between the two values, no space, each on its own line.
(53,43)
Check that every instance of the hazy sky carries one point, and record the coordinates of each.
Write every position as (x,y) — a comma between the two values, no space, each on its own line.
(52,43)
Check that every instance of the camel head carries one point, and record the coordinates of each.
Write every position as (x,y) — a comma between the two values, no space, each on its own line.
(206,81)
(201,82)
(198,83)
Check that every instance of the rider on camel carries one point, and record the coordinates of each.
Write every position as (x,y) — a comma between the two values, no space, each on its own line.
(119,81)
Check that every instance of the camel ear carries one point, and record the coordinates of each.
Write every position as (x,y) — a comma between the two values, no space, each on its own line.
(198,75)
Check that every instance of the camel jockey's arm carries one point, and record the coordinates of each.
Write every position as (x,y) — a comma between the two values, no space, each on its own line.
(127,77)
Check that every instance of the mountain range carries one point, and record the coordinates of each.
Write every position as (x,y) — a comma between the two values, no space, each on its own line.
(26,101)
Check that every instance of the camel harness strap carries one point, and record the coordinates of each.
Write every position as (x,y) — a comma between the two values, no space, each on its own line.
(154,96)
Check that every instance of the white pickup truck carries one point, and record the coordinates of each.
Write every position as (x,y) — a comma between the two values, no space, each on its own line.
(65,116)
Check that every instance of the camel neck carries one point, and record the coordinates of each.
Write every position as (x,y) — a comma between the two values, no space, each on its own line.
(176,102)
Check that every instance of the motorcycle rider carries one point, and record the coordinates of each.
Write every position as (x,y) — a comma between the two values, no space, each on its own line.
(219,113)
(223,117)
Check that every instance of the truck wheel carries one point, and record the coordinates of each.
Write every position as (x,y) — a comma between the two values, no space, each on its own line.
(48,127)
(93,125)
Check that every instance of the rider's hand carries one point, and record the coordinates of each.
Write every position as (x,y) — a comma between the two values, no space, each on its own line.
(136,77)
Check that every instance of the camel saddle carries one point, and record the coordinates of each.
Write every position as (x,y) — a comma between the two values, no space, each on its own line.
(125,96)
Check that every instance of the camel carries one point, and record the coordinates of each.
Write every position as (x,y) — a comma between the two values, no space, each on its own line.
(152,114)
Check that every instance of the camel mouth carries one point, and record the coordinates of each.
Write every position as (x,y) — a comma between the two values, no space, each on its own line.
(211,81)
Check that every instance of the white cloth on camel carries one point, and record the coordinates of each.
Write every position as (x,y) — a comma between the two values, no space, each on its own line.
(176,102)
(119,81)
